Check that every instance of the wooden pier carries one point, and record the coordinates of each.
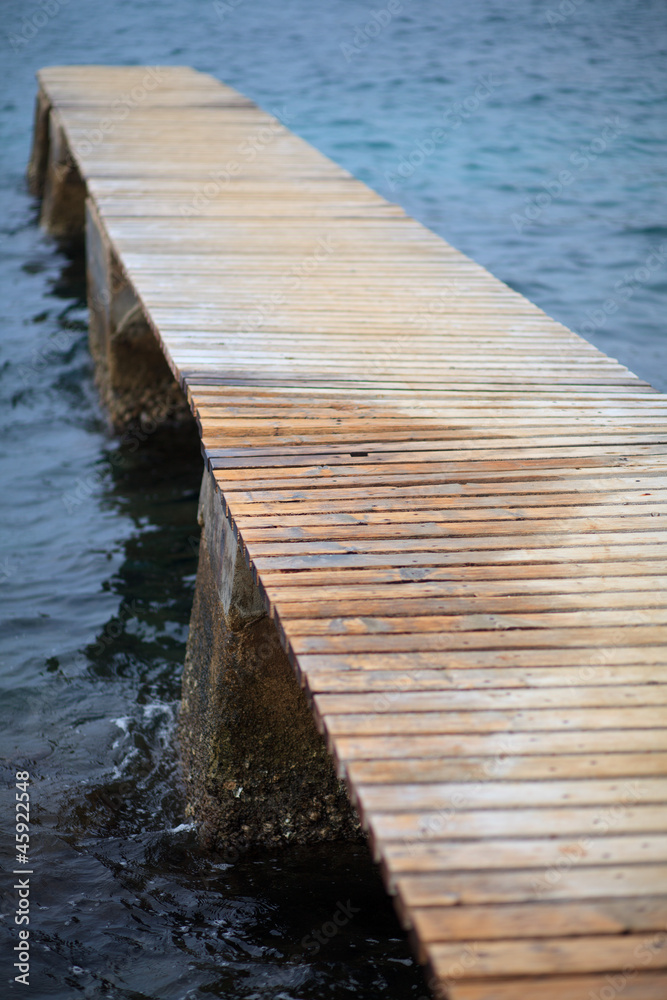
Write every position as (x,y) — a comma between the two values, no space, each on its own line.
(451,504)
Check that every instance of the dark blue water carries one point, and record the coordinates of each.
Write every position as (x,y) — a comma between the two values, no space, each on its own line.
(533,136)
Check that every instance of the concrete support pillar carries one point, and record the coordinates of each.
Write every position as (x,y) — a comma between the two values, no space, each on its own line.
(63,189)
(255,767)
(135,381)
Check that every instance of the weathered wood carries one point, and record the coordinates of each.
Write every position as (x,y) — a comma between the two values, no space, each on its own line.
(553,854)
(587,954)
(452,507)
(526,920)
(418,770)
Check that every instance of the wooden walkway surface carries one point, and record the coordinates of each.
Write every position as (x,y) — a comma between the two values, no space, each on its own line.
(453,506)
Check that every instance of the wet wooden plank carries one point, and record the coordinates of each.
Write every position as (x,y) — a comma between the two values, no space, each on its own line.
(548,767)
(538,957)
(544,697)
(550,856)
(456,889)
(503,794)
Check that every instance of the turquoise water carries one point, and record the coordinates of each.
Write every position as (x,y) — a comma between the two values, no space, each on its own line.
(96,593)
